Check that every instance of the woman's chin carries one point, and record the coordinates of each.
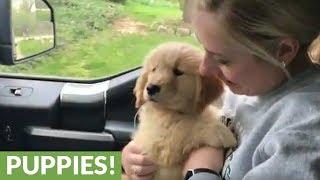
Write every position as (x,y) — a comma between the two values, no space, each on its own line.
(239,91)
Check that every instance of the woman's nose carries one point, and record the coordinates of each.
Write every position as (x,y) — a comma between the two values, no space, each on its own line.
(209,68)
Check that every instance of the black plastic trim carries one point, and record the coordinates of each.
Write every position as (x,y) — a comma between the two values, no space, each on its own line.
(66,79)
(6,51)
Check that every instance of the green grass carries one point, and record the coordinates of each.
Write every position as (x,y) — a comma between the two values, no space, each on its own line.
(87,45)
(43,15)
(81,19)
(106,55)
(30,47)
(149,13)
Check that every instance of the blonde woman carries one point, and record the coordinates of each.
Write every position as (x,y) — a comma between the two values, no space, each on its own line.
(262,51)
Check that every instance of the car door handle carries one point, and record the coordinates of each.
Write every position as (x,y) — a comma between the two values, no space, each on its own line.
(16,91)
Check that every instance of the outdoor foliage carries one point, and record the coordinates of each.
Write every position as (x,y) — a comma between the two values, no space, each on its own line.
(91,43)
(23,20)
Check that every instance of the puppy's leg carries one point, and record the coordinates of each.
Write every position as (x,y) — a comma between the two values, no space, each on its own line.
(219,136)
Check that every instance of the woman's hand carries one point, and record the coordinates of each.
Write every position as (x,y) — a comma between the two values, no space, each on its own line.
(137,165)
(206,157)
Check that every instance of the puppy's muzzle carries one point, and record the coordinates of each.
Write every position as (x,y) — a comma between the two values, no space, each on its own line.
(153,89)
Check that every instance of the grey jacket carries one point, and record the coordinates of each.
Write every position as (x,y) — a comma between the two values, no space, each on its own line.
(278,133)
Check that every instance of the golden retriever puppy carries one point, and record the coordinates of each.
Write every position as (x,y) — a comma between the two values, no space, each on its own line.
(175,116)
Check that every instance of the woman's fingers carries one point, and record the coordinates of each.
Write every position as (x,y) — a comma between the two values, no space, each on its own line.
(139,159)
(133,148)
(136,164)
(143,170)
(136,157)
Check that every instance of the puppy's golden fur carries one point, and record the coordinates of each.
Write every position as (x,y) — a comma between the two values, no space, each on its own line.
(177,118)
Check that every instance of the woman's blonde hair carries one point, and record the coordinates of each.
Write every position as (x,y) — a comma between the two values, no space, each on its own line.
(258,23)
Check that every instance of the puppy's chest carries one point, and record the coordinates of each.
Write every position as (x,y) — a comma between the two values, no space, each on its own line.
(165,136)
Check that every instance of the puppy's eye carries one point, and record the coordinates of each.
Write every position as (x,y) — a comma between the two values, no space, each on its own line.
(177,72)
(153,69)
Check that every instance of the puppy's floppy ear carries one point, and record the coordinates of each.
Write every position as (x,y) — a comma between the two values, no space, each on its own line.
(211,89)
(139,88)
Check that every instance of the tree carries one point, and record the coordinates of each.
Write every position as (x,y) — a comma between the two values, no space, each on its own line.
(188,7)
(23,19)
(27,5)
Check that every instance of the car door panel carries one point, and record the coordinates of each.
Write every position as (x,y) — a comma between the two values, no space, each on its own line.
(121,107)
(17,112)
(37,120)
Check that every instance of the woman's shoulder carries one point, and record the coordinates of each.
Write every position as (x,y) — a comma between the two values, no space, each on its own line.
(301,104)
(305,89)
(301,90)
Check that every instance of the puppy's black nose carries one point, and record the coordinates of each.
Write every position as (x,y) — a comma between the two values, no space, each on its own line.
(153,89)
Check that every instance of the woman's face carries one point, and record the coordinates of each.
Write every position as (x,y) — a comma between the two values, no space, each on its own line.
(241,71)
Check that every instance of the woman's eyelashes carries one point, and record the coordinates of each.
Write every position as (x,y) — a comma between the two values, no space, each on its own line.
(217,58)
(222,61)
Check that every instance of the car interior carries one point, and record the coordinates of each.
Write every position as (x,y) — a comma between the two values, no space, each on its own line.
(56,114)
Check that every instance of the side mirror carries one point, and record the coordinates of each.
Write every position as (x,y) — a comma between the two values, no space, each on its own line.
(28,30)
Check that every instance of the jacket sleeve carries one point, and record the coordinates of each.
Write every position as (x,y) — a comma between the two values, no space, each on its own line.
(290,151)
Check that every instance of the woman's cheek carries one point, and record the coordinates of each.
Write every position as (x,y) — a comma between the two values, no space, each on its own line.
(234,77)
(227,74)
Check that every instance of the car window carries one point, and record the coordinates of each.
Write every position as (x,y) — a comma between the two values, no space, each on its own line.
(99,38)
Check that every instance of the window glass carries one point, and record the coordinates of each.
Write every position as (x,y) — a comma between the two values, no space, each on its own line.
(99,38)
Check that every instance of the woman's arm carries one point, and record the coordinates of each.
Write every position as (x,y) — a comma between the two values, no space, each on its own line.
(206,157)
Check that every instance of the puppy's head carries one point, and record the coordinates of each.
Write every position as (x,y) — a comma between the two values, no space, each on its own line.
(170,78)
